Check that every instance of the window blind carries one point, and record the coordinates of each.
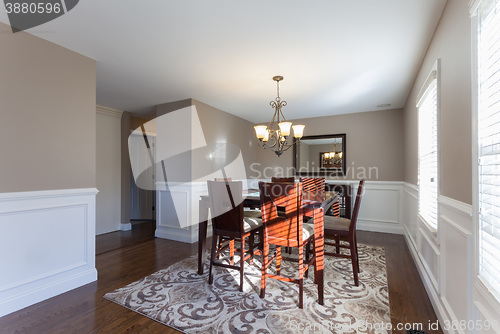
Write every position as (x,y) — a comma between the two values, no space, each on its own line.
(489,144)
(428,152)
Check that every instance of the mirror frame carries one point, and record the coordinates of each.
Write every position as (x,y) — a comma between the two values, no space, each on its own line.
(321,171)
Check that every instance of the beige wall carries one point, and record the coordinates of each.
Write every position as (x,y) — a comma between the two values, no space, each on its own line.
(452,44)
(366,134)
(219,127)
(47,115)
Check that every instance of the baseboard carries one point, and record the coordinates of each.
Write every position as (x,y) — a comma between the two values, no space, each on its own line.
(125,227)
(178,234)
(379,226)
(45,291)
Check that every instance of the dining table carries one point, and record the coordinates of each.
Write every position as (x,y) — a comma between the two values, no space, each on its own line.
(312,206)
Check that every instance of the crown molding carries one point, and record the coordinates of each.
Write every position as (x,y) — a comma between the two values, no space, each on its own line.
(108,111)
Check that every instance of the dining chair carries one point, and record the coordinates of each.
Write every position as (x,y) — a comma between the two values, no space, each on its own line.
(344,228)
(285,230)
(230,224)
(282,179)
(313,187)
(252,213)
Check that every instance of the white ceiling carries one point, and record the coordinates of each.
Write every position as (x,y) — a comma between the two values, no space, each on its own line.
(337,56)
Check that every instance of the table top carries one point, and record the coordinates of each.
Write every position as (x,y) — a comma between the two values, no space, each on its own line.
(252,199)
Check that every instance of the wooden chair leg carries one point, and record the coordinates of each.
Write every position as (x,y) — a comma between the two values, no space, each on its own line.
(219,245)
(354,260)
(278,260)
(250,246)
(337,241)
(357,254)
(301,278)
(231,252)
(212,259)
(242,263)
(308,256)
(313,250)
(265,259)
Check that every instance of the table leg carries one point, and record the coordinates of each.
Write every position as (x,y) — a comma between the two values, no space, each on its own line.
(202,236)
(319,249)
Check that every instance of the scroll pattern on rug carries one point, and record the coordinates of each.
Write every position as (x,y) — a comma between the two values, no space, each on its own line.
(180,298)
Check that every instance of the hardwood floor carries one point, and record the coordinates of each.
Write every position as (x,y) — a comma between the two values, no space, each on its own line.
(83,310)
(141,231)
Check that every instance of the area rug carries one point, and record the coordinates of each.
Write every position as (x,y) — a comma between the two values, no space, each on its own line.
(180,298)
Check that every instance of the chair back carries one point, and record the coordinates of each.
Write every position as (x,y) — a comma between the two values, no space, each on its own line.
(226,205)
(282,229)
(282,179)
(313,188)
(223,179)
(355,211)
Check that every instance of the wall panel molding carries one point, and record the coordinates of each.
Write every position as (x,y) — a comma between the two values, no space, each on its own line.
(450,290)
(47,245)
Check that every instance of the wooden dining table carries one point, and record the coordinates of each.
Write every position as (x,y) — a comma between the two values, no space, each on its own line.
(312,207)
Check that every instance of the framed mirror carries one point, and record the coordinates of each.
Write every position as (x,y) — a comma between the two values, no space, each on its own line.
(321,155)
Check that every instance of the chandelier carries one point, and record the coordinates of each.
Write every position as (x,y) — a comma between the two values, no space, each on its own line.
(275,135)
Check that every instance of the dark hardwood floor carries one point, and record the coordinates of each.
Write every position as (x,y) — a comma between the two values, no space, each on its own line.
(125,257)
(141,231)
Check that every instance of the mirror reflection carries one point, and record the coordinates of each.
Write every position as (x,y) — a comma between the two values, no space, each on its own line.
(320,155)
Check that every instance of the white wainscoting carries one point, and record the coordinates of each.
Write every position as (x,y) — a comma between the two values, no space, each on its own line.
(47,245)
(443,258)
(381,207)
(178,208)
(177,214)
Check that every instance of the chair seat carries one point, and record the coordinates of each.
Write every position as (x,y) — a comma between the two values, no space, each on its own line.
(336,223)
(252,213)
(307,230)
(250,223)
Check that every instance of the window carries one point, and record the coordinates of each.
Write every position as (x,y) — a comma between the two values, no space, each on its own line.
(428,172)
(488,139)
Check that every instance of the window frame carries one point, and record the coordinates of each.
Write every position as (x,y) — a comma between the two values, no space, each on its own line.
(481,288)
(433,75)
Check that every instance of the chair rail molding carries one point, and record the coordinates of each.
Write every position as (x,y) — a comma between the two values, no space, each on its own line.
(47,245)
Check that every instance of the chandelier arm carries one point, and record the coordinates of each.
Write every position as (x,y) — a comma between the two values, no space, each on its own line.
(283,116)
(270,125)
(265,145)
(287,148)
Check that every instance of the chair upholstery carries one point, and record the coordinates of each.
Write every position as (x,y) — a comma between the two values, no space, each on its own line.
(250,224)
(343,228)
(229,224)
(337,223)
(252,213)
(284,230)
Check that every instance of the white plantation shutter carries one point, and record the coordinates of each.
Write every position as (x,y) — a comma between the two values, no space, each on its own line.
(489,144)
(428,151)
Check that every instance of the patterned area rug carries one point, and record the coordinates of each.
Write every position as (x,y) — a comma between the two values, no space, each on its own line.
(178,297)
